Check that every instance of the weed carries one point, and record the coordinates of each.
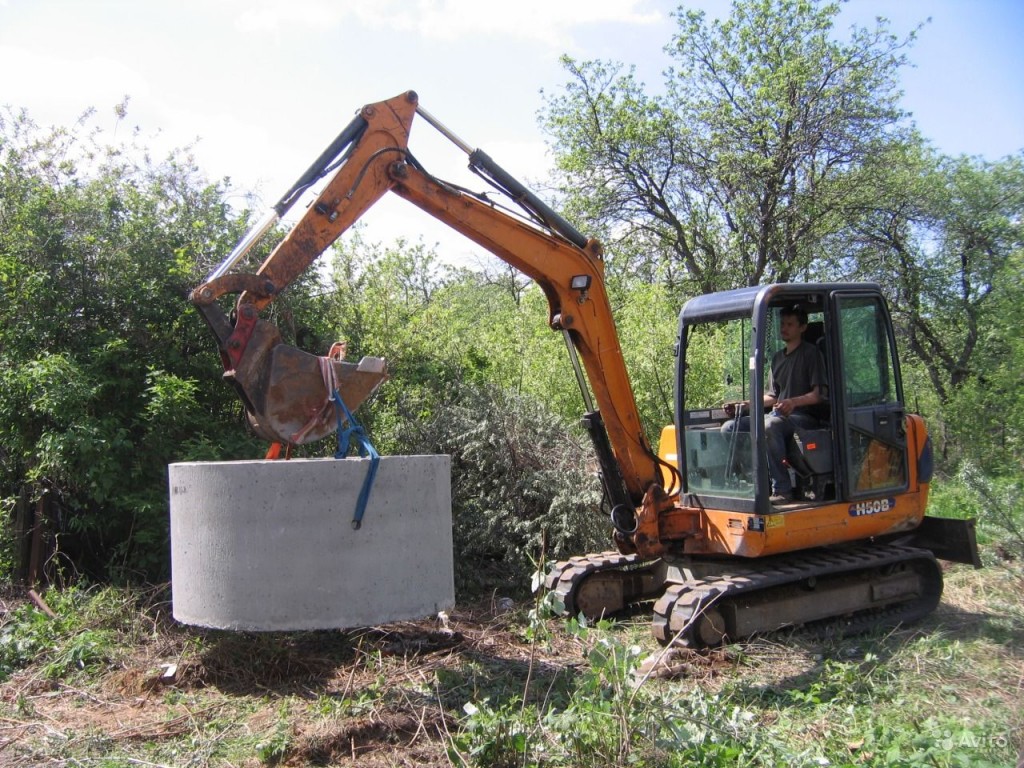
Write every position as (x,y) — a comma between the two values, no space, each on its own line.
(545,604)
(498,737)
(608,720)
(26,635)
(76,638)
(362,703)
(275,745)
(80,651)
(998,504)
(944,694)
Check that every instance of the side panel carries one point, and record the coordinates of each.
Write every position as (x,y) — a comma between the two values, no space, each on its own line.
(749,535)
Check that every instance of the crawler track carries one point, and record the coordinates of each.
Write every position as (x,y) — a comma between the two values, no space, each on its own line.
(602,584)
(847,591)
(840,591)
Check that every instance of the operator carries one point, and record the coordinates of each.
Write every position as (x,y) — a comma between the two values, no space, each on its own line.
(795,385)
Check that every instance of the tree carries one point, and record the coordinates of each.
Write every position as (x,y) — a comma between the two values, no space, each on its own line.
(736,174)
(106,375)
(944,236)
(987,413)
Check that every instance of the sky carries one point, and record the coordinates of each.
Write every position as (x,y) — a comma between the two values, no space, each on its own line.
(260,87)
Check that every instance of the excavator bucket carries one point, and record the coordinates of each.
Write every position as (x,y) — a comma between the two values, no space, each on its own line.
(290,396)
(296,405)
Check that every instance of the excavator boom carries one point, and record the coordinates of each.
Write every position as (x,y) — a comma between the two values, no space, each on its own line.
(283,388)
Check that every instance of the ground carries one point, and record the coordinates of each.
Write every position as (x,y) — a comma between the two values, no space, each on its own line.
(153,692)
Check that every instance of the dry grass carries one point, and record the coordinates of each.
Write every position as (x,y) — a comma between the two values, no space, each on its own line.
(371,695)
(391,696)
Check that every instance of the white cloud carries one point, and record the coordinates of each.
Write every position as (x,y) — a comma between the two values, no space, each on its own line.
(540,21)
(269,16)
(65,80)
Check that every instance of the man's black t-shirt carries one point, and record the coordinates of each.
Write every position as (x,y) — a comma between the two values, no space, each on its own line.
(796,374)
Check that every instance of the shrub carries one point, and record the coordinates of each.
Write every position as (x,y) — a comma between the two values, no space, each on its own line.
(520,484)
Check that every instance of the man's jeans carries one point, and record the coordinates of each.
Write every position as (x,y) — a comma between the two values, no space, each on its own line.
(778,430)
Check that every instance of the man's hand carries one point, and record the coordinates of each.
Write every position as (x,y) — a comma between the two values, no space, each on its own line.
(784,407)
(732,409)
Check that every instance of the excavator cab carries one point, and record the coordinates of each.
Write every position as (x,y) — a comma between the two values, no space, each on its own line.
(852,549)
(854,447)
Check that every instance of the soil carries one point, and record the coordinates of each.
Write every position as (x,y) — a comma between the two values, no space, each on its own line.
(170,695)
(371,694)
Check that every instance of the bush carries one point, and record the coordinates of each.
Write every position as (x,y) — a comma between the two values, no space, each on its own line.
(107,375)
(998,504)
(521,489)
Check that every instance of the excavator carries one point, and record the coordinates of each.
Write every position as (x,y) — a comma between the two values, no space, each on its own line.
(697,539)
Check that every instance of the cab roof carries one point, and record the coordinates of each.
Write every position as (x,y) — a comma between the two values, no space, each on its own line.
(740,301)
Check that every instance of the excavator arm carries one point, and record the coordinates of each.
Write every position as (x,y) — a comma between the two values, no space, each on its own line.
(285,390)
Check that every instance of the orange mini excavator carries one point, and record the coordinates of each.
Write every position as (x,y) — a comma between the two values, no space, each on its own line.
(694,529)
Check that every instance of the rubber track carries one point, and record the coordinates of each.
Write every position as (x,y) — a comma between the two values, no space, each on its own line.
(675,612)
(566,575)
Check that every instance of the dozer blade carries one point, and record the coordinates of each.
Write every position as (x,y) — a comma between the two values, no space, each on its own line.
(287,392)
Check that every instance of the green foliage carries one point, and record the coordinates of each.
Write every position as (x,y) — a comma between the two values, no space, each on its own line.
(388,302)
(611,719)
(520,484)
(498,737)
(647,318)
(997,503)
(28,633)
(985,413)
(871,710)
(275,746)
(746,162)
(105,376)
(81,637)
(440,328)
(877,719)
(944,236)
(603,720)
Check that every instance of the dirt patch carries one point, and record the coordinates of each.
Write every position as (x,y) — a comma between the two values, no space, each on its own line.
(376,696)
(394,695)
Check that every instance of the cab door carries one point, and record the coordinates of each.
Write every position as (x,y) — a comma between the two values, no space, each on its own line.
(869,397)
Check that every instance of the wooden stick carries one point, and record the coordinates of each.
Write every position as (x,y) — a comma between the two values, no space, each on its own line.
(38,600)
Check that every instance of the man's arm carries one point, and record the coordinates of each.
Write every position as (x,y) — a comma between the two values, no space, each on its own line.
(785,407)
(771,392)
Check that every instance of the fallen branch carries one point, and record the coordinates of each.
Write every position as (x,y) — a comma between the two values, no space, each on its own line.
(41,604)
